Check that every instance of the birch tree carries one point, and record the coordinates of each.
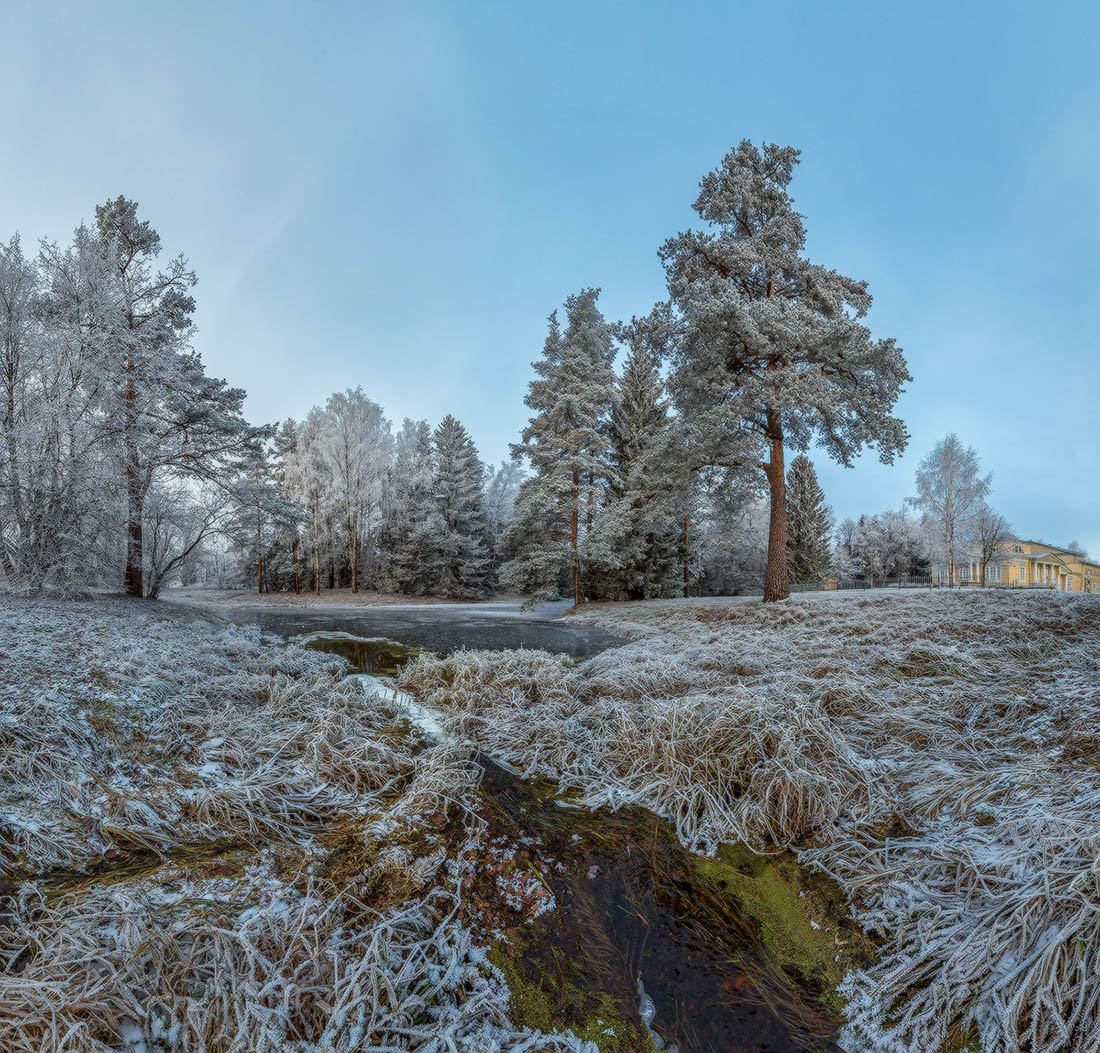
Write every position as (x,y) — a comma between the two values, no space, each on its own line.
(950,491)
(355,444)
(58,503)
(501,487)
(774,353)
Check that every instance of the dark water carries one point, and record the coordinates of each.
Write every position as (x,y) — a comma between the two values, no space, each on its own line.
(632,905)
(440,629)
(379,657)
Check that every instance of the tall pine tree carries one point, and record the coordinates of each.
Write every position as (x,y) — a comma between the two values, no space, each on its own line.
(774,352)
(809,524)
(554,533)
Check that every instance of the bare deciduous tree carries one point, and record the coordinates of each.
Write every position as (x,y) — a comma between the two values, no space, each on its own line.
(992,534)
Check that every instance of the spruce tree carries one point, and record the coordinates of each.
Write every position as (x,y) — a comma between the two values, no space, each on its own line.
(809,524)
(458,487)
(555,534)
(412,527)
(648,499)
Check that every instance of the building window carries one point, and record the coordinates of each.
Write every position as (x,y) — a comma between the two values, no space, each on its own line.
(993,572)
(1017,548)
(1023,574)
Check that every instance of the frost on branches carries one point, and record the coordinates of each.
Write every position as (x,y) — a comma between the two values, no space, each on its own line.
(773,352)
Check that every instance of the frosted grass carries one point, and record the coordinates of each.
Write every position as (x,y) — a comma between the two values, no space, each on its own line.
(126,733)
(937,754)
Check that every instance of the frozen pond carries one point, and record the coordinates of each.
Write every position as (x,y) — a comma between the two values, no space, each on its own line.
(438,627)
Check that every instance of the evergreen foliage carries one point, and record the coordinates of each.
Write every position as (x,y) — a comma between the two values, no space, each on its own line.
(648,498)
(809,524)
(773,352)
(411,525)
(555,532)
(463,553)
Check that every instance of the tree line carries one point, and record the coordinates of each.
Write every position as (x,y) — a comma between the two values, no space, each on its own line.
(122,459)
(416,512)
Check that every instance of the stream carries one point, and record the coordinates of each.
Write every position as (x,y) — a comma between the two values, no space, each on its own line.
(637,925)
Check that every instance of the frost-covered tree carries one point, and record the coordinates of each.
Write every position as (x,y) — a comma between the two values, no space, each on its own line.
(554,534)
(730,542)
(355,446)
(463,553)
(501,488)
(845,563)
(648,499)
(57,467)
(261,521)
(167,417)
(103,399)
(887,545)
(179,520)
(809,524)
(303,478)
(773,351)
(284,447)
(412,525)
(950,492)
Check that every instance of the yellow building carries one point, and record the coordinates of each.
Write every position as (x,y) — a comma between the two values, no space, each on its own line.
(1028,564)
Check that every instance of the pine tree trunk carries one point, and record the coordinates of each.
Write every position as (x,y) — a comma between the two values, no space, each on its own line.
(134,555)
(687,575)
(297,580)
(578,596)
(259,557)
(776,583)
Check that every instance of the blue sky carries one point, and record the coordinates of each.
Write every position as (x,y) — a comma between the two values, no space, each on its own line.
(395,196)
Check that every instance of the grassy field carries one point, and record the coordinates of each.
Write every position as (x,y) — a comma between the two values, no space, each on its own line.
(213,842)
(937,754)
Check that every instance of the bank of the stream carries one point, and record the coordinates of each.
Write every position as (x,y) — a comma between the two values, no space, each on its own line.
(640,940)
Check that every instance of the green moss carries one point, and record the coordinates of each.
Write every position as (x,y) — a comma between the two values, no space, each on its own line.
(553,999)
(776,892)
